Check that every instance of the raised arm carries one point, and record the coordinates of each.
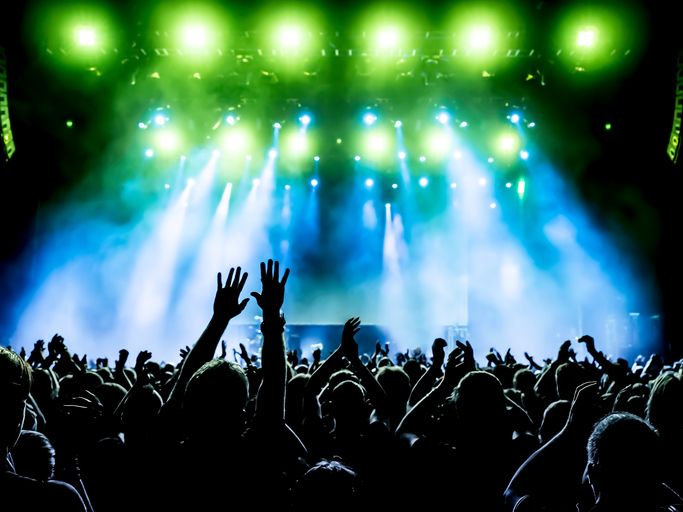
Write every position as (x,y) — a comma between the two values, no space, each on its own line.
(426,382)
(270,401)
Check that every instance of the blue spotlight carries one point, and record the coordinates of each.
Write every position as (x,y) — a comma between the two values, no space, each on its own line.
(443,117)
(369,183)
(508,184)
(142,126)
(422,159)
(277,125)
(514,118)
(397,124)
(369,118)
(314,183)
(316,158)
(159,119)
(305,119)
(463,124)
(149,153)
(401,155)
(287,187)
(394,185)
(387,206)
(272,153)
(423,182)
(230,120)
(357,159)
(531,125)
(524,154)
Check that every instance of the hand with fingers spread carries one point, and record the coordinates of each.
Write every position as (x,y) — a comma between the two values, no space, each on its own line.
(227,305)
(438,354)
(36,356)
(349,346)
(273,290)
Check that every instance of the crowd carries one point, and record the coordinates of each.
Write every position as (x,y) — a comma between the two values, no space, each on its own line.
(348,431)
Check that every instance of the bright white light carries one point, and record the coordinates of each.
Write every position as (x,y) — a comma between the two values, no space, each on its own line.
(86,37)
(167,186)
(230,120)
(316,158)
(369,118)
(443,118)
(586,38)
(387,38)
(423,182)
(195,36)
(248,157)
(287,187)
(357,159)
(299,143)
(377,143)
(167,141)
(524,154)
(159,119)
(149,153)
(394,185)
(290,37)
(314,183)
(216,153)
(514,118)
(402,155)
(277,125)
(305,119)
(272,153)
(256,181)
(182,157)
(482,181)
(508,184)
(453,185)
(531,125)
(369,183)
(397,124)
(480,38)
(463,124)
(422,159)
(490,160)
(457,154)
(190,182)
(506,143)
(142,126)
(493,205)
(388,205)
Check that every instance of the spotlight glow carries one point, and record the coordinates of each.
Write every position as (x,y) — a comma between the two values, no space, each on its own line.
(457,154)
(493,205)
(357,159)
(166,141)
(490,160)
(86,37)
(482,181)
(195,36)
(230,120)
(524,155)
(387,38)
(142,126)
(377,143)
(422,159)
(423,182)
(248,157)
(256,181)
(480,38)
(167,186)
(290,37)
(299,143)
(531,125)
(287,187)
(316,158)
(305,119)
(190,182)
(401,155)
(149,153)
(508,184)
(521,187)
(277,126)
(394,185)
(314,183)
(586,38)
(338,141)
(514,118)
(369,182)
(453,185)
(182,157)
(506,143)
(369,118)
(272,153)
(216,153)
(463,124)
(398,124)
(608,127)
(387,206)
(159,119)
(443,118)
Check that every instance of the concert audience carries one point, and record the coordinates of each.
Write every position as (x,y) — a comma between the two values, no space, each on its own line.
(352,430)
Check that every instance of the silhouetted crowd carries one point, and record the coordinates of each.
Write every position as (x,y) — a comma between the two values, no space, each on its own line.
(364,431)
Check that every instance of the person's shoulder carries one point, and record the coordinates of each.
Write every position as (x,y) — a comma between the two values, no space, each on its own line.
(26,494)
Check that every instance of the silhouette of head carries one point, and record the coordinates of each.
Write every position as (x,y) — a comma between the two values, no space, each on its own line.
(15,386)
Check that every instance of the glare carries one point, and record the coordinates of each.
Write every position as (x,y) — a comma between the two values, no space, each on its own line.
(299,143)
(369,118)
(316,158)
(586,38)
(195,36)
(290,37)
(490,160)
(314,183)
(216,153)
(248,157)
(443,118)
(520,187)
(394,185)
(377,143)
(423,182)
(190,182)
(276,125)
(608,127)
(86,37)
(256,181)
(167,186)
(453,185)
(397,124)
(369,182)
(182,157)
(508,184)
(159,119)
(506,143)
(357,158)
(387,38)
(401,155)
(524,155)
(142,126)
(287,187)
(493,205)
(338,141)
(482,181)
(480,38)
(457,154)
(463,124)
(149,153)
(272,153)
(439,143)
(305,119)
(388,205)
(167,141)
(230,120)
(514,118)
(422,159)
(531,125)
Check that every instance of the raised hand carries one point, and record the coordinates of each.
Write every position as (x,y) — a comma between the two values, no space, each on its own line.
(22,353)
(590,343)
(56,346)
(227,305)
(468,355)
(121,362)
(509,358)
(224,349)
(564,353)
(142,358)
(349,346)
(439,355)
(184,352)
(273,290)
(36,356)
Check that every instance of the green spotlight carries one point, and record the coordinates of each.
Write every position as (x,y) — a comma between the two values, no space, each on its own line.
(86,37)
(298,143)
(290,37)
(235,142)
(387,38)
(520,187)
(586,37)
(480,38)
(608,127)
(506,143)
(195,36)
(69,124)
(377,143)
(167,141)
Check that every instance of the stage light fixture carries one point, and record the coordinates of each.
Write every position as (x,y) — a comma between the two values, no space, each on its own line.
(357,158)
(290,37)
(387,38)
(338,141)
(287,187)
(369,183)
(305,119)
(159,119)
(443,117)
(316,158)
(272,153)
(608,127)
(314,183)
(463,124)
(482,181)
(190,182)
(531,125)
(256,182)
(457,154)
(423,182)
(490,160)
(524,155)
(195,36)
(230,120)
(401,155)
(369,118)
(394,185)
(377,143)
(453,185)
(480,38)
(166,141)
(387,206)
(397,124)
(514,118)
(182,157)
(216,153)
(508,185)
(422,159)
(86,37)
(149,153)
(248,157)
(69,124)
(493,205)
(142,126)
(521,186)
(586,37)
(167,186)
(298,143)
(506,143)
